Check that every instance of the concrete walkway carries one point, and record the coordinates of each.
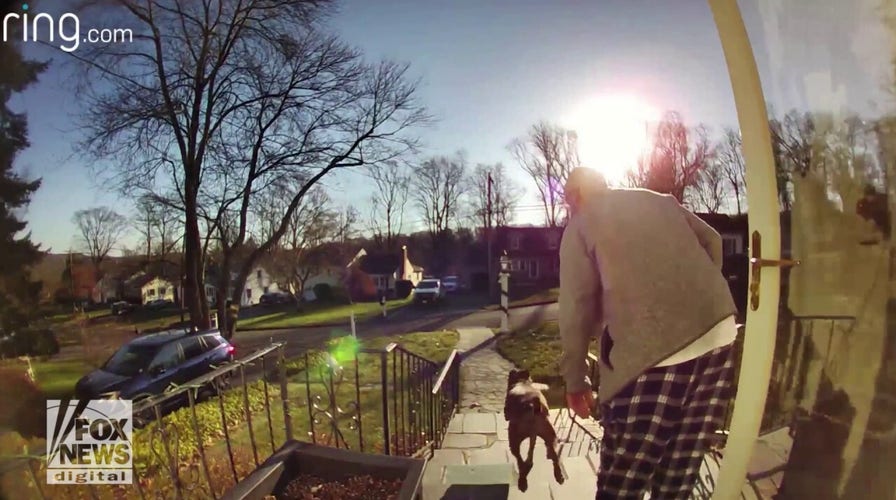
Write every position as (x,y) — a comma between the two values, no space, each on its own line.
(483,376)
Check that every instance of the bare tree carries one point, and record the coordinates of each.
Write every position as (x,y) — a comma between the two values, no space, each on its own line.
(505,195)
(220,101)
(390,196)
(347,224)
(298,255)
(548,153)
(729,154)
(709,193)
(437,187)
(158,226)
(100,229)
(678,156)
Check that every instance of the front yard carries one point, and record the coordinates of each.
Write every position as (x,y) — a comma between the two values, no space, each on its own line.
(55,378)
(538,298)
(314,314)
(264,428)
(538,351)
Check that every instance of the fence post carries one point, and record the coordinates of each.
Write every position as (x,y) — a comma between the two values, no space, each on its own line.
(284,392)
(384,375)
(505,303)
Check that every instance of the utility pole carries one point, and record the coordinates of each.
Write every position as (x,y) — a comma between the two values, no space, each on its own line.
(488,228)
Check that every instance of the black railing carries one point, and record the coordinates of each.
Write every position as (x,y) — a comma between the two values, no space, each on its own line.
(198,440)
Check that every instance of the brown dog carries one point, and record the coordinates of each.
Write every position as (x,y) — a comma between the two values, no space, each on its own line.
(526,411)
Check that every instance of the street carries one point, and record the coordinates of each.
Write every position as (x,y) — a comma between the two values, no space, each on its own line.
(407,320)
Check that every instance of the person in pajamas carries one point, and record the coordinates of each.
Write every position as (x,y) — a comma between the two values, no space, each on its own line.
(643,273)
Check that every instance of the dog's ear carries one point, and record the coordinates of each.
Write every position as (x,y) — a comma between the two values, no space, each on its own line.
(523,374)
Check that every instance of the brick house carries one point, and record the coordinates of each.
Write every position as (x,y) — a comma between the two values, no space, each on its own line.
(534,254)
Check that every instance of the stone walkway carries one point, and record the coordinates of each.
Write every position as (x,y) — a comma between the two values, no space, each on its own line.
(483,376)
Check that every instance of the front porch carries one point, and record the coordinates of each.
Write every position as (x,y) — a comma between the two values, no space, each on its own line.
(475,453)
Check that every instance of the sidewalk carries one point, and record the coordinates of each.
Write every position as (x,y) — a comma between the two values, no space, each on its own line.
(483,376)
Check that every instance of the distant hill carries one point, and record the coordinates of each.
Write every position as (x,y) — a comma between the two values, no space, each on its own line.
(49,270)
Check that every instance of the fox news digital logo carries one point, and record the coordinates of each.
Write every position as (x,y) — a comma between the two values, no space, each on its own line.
(89,442)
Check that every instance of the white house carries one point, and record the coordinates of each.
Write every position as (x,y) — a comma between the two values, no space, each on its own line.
(157,288)
(258,283)
(329,275)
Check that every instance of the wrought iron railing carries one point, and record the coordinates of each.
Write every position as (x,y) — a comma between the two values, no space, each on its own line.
(199,439)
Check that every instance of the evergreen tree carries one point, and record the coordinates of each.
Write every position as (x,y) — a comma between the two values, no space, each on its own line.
(18,293)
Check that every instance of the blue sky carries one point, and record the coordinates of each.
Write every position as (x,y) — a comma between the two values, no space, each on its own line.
(489,71)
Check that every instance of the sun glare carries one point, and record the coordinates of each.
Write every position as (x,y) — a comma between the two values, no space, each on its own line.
(613,133)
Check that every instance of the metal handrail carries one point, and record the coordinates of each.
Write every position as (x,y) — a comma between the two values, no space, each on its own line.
(446,368)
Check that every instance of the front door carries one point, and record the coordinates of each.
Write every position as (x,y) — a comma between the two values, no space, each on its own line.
(826,169)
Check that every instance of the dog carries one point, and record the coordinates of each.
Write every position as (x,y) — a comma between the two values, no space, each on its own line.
(526,411)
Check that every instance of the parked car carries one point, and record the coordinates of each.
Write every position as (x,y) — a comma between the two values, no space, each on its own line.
(122,307)
(272,298)
(158,304)
(151,364)
(429,290)
(451,284)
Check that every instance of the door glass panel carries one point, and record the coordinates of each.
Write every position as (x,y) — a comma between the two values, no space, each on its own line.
(828,77)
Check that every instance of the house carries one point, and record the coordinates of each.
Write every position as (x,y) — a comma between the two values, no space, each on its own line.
(332,275)
(371,274)
(533,253)
(108,289)
(158,288)
(258,283)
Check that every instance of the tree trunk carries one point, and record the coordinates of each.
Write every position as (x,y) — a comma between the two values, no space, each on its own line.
(233,312)
(194,292)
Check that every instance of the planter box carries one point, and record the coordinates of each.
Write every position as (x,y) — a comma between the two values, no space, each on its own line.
(333,464)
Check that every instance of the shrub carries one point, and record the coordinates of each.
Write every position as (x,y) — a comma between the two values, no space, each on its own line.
(323,292)
(184,447)
(29,342)
(403,289)
(26,412)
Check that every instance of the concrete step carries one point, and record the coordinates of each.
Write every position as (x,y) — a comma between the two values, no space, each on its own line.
(581,482)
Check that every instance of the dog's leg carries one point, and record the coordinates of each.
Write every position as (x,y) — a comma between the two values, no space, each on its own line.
(549,436)
(532,438)
(515,439)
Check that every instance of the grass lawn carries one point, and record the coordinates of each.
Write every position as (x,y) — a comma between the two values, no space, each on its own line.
(269,435)
(55,378)
(538,351)
(549,295)
(323,314)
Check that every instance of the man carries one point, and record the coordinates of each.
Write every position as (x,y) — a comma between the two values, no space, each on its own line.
(645,273)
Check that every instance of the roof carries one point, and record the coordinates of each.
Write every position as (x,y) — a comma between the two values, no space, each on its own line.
(160,338)
(380,263)
(725,222)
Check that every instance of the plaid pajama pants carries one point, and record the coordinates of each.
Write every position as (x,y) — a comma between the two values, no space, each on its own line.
(657,429)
